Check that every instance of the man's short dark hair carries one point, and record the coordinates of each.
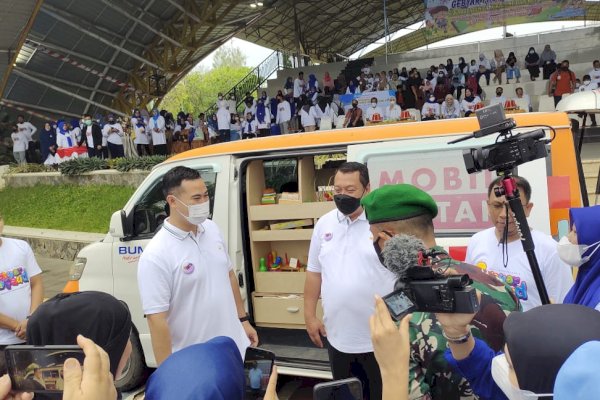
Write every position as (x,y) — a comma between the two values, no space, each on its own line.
(300,73)
(87,116)
(522,184)
(420,226)
(353,166)
(373,98)
(172,179)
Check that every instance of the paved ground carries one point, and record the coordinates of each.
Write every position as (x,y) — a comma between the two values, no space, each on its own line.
(55,274)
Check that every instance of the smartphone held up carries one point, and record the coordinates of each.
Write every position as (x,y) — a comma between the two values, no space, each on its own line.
(39,369)
(258,365)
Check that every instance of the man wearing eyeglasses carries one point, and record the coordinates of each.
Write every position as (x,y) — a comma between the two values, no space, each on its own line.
(499,252)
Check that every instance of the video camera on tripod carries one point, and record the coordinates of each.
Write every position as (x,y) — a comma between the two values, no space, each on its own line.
(509,151)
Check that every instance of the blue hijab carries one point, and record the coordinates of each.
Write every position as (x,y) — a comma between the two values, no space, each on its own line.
(64,132)
(312,81)
(352,87)
(260,111)
(586,290)
(212,370)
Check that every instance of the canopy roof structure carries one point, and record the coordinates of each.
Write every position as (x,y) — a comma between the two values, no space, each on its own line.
(69,57)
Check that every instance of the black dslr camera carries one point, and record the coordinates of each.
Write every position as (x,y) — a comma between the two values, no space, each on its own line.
(431,291)
(510,150)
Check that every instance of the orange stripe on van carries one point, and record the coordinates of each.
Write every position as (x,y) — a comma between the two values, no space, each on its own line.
(364,134)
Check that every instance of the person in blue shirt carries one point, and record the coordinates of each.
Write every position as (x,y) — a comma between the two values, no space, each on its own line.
(255,376)
(553,330)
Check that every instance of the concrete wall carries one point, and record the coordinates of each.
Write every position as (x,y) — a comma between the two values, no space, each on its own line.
(579,46)
(107,177)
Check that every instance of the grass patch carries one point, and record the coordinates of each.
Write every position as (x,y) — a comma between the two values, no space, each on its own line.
(63,207)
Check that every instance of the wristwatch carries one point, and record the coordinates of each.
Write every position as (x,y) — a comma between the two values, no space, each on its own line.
(245,318)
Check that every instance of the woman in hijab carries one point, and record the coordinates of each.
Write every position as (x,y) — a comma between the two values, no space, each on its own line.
(328,81)
(499,65)
(213,129)
(47,143)
(578,376)
(532,63)
(512,69)
(469,102)
(548,61)
(484,68)
(96,315)
(289,85)
(431,109)
(412,90)
(450,108)
(263,118)
(208,371)
(313,83)
(538,342)
(352,88)
(464,67)
(580,249)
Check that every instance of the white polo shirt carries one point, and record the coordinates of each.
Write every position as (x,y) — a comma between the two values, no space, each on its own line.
(17,266)
(485,252)
(188,276)
(342,252)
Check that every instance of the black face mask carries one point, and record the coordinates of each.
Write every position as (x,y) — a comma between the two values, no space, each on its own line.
(378,248)
(346,204)
(354,105)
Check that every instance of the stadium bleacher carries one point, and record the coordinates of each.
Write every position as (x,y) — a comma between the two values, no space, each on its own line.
(579,46)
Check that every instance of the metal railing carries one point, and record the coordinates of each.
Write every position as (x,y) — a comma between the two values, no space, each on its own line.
(255,78)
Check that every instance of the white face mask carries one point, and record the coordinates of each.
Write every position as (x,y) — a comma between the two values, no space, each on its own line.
(586,82)
(197,213)
(373,105)
(572,254)
(500,373)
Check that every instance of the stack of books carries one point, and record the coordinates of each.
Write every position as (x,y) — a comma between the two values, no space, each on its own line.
(269,197)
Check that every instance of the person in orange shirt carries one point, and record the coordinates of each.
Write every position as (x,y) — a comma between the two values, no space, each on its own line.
(562,81)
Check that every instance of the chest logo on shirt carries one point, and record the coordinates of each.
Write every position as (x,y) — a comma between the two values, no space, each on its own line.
(518,285)
(188,268)
(13,278)
(328,236)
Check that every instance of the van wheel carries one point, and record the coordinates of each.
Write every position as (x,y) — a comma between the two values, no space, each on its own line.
(135,371)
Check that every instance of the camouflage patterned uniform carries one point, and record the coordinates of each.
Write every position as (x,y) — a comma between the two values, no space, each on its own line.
(430,376)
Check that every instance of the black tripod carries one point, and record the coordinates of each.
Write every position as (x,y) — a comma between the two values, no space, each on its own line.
(511,192)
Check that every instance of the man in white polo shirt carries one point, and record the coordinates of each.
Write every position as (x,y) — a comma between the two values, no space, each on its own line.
(344,269)
(188,288)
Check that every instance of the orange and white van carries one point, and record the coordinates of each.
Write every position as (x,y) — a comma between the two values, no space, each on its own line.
(303,165)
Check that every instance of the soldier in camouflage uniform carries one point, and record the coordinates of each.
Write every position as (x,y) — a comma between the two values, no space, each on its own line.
(405,209)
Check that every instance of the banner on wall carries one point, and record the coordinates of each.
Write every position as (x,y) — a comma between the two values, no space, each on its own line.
(445,18)
(364,99)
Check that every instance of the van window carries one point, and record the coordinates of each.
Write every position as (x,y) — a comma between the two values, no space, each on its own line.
(152,209)
(281,174)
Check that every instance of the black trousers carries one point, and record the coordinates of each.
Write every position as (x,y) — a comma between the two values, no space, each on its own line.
(160,149)
(92,152)
(116,150)
(362,366)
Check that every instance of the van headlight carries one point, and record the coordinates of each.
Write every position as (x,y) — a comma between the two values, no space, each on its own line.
(77,268)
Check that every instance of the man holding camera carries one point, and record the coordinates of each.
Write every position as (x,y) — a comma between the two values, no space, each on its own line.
(404,209)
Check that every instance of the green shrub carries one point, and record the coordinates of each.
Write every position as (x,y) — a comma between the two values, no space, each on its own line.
(80,166)
(140,163)
(26,168)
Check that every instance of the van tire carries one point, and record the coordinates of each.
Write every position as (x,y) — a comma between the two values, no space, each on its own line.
(135,371)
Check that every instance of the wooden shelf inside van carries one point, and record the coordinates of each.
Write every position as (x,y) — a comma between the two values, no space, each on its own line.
(281,235)
(279,282)
(290,211)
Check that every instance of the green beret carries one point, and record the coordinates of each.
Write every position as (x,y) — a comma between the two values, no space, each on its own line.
(397,202)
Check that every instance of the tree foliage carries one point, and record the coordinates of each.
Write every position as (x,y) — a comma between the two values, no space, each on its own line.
(229,56)
(198,90)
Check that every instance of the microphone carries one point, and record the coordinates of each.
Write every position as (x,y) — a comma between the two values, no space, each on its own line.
(400,253)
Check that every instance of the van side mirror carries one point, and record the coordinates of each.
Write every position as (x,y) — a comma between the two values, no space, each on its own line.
(116,228)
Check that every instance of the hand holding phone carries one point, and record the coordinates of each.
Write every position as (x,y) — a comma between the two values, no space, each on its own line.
(258,365)
(39,369)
